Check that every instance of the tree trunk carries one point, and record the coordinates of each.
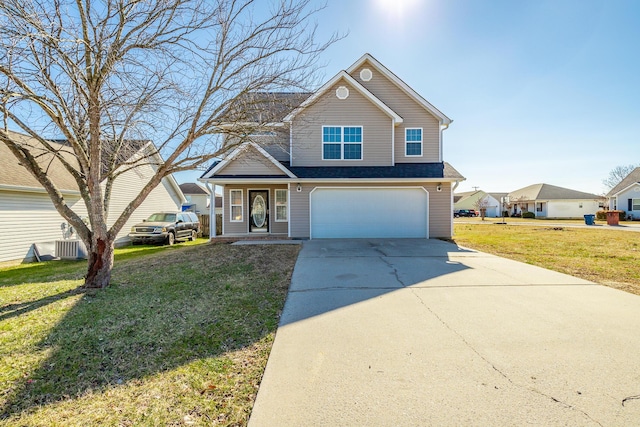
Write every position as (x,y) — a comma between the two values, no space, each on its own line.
(100,264)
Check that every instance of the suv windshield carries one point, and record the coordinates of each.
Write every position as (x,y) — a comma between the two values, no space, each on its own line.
(162,217)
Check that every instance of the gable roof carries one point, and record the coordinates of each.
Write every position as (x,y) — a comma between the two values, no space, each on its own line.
(354,83)
(549,192)
(192,188)
(628,181)
(401,84)
(15,176)
(264,107)
(217,166)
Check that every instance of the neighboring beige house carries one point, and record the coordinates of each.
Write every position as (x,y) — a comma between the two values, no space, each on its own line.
(360,157)
(471,200)
(626,195)
(550,201)
(27,215)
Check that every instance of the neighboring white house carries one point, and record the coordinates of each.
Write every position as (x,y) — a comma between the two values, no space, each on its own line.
(473,199)
(198,199)
(626,195)
(27,215)
(550,201)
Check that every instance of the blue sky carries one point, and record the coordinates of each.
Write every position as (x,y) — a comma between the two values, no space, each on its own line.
(539,91)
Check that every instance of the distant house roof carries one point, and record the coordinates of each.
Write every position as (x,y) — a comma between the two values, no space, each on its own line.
(192,188)
(549,192)
(13,174)
(629,180)
(498,196)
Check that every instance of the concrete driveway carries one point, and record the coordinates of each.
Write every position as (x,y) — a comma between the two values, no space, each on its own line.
(415,332)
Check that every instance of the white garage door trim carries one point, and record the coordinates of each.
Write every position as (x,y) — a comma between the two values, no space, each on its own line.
(419,205)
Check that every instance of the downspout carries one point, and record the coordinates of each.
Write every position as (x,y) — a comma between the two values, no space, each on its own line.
(443,127)
(451,203)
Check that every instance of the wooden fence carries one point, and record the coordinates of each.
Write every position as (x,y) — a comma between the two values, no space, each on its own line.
(204,224)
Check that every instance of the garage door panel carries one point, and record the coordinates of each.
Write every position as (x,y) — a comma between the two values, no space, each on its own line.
(368,212)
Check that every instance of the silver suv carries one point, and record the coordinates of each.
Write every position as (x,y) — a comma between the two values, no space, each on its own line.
(166,227)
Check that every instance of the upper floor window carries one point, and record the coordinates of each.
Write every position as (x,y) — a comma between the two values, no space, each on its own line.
(413,142)
(342,142)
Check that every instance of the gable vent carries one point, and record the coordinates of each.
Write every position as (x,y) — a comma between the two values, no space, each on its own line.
(366,74)
(342,92)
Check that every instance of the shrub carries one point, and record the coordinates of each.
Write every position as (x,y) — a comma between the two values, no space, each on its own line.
(528,215)
(602,215)
(505,213)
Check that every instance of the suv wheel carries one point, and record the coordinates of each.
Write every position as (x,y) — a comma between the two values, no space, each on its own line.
(171,238)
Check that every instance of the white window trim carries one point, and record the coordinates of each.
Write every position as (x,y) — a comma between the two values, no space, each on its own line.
(414,142)
(342,159)
(634,204)
(286,204)
(231,206)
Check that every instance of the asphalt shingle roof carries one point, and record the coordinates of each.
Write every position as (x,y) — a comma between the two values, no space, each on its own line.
(632,178)
(192,188)
(12,173)
(549,192)
(400,170)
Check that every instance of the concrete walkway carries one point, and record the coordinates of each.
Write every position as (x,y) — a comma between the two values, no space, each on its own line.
(415,332)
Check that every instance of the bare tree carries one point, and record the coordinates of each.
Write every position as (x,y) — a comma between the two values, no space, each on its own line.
(105,75)
(481,206)
(617,174)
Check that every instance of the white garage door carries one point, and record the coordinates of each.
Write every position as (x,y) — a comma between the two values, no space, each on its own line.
(368,212)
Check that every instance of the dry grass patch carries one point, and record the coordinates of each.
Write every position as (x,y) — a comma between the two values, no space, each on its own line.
(180,338)
(608,257)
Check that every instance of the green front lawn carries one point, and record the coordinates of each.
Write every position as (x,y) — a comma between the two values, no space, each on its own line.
(608,257)
(180,338)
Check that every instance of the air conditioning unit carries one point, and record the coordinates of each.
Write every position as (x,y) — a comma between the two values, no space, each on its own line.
(70,249)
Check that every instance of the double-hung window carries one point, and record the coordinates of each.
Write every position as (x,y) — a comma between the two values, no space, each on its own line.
(281,205)
(235,205)
(413,142)
(342,142)
(635,205)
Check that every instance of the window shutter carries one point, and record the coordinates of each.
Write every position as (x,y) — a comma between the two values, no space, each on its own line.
(630,207)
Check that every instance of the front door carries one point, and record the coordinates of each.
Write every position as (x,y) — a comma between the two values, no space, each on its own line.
(258,211)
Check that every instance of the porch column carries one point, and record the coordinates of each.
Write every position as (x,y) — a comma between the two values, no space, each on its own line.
(212,210)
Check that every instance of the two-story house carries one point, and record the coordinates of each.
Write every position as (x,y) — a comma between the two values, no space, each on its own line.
(360,157)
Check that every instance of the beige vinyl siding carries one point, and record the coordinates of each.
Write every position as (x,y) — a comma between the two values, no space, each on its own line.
(162,198)
(37,220)
(27,218)
(242,228)
(440,214)
(414,116)
(328,110)
(250,162)
(440,210)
